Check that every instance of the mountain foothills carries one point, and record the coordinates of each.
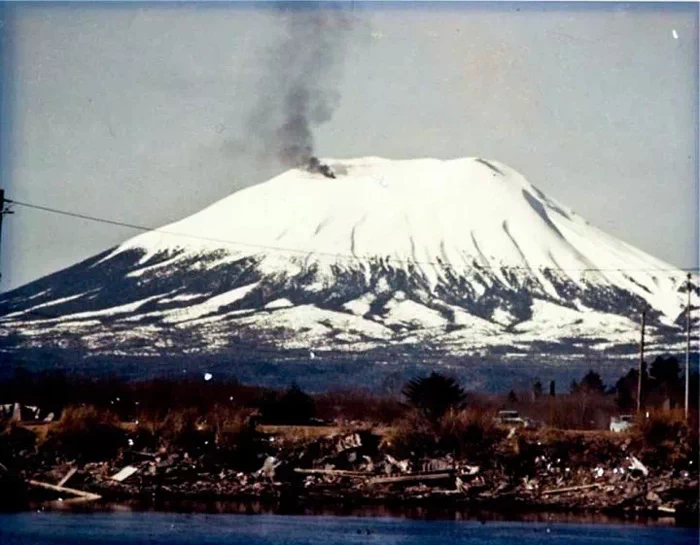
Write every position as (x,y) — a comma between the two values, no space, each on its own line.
(460,263)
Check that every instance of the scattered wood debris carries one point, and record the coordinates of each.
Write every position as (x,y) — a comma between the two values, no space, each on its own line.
(414,478)
(535,469)
(638,466)
(79,494)
(333,472)
(571,489)
(124,473)
(68,476)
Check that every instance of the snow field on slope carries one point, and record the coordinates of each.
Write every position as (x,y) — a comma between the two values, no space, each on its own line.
(426,212)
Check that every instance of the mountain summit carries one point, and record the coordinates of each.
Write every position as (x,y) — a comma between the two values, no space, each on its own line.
(460,257)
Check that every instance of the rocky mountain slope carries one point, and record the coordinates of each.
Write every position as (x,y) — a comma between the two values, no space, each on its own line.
(422,258)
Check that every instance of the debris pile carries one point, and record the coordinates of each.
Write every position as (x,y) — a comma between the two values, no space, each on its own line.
(17,412)
(530,470)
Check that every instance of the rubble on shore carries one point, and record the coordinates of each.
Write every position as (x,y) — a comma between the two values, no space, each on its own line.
(527,470)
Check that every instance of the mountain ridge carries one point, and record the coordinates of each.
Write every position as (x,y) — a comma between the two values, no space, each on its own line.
(463,256)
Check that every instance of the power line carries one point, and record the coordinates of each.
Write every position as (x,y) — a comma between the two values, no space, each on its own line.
(144,228)
(3,212)
(250,350)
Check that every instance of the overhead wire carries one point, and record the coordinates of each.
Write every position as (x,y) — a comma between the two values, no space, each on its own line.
(301,251)
(280,353)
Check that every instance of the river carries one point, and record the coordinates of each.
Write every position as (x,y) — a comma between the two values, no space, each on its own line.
(154,528)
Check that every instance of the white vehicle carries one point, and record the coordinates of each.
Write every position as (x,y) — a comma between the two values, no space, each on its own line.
(621,423)
(513,418)
(510,418)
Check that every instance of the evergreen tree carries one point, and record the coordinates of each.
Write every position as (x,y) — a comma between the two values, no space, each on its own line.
(626,388)
(292,407)
(434,395)
(537,389)
(665,371)
(591,383)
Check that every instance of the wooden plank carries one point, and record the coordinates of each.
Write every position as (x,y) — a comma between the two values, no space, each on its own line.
(449,470)
(67,476)
(337,472)
(144,454)
(571,489)
(124,473)
(88,496)
(413,478)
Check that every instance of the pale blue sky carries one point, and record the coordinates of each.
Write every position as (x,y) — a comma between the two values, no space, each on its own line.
(136,112)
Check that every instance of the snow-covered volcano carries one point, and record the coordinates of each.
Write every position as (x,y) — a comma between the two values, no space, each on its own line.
(461,257)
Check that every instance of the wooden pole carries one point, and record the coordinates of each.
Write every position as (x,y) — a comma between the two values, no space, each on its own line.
(641,364)
(687,350)
(2,213)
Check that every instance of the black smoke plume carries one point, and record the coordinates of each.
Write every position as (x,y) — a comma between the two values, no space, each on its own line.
(300,88)
(315,165)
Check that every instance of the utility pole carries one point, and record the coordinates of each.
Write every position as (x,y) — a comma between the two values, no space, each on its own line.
(2,209)
(641,363)
(3,212)
(687,349)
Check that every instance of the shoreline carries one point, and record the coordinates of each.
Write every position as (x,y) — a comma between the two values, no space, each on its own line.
(415,510)
(293,470)
(343,497)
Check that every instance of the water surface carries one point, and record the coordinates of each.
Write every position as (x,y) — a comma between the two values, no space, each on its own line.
(156,528)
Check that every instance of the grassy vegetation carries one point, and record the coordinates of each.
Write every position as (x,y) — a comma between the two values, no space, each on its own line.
(466,433)
(577,411)
(223,419)
(86,433)
(213,438)
(229,437)
(346,406)
(666,437)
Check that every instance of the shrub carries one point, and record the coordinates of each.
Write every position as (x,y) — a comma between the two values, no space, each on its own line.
(227,426)
(469,432)
(236,439)
(223,433)
(412,436)
(665,438)
(292,407)
(15,442)
(580,411)
(87,433)
(358,406)
(183,428)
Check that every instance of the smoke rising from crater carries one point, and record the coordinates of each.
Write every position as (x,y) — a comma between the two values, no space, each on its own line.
(300,88)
